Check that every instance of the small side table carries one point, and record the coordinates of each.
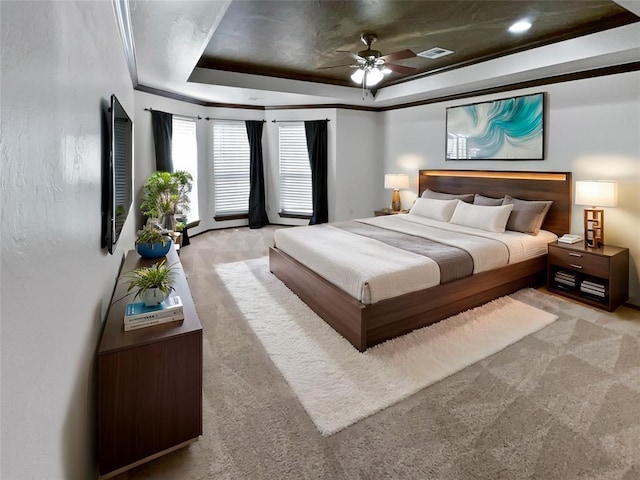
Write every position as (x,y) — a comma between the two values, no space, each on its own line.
(596,276)
(388,211)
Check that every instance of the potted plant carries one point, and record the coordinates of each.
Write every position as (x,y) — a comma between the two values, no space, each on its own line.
(151,243)
(166,194)
(152,284)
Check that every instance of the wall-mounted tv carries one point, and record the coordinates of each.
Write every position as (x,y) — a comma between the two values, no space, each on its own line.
(117,188)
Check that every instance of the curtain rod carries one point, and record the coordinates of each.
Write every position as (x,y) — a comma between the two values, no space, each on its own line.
(297,121)
(177,114)
(232,119)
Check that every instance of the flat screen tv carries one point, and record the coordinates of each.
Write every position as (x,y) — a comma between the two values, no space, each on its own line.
(117,189)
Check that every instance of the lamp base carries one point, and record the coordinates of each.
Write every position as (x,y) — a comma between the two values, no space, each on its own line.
(594,227)
(395,200)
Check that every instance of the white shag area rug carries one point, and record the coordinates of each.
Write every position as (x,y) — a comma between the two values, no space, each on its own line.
(336,384)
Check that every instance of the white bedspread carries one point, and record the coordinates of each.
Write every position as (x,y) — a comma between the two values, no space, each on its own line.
(371,271)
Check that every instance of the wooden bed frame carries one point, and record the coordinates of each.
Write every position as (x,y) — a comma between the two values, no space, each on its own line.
(367,325)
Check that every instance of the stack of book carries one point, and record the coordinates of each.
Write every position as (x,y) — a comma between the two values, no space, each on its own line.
(565,279)
(593,289)
(138,315)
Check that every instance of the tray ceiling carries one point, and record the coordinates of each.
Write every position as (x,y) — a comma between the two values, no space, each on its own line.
(276,52)
(298,39)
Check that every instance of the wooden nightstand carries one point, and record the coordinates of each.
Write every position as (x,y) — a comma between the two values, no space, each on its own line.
(388,211)
(596,276)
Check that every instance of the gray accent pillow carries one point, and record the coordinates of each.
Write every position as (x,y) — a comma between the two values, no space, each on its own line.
(487,201)
(527,216)
(465,197)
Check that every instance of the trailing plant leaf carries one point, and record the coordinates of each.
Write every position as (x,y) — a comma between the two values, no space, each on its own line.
(159,275)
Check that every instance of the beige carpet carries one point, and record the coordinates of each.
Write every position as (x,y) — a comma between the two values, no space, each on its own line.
(560,404)
(336,384)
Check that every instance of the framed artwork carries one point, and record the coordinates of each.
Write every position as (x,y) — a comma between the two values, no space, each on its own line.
(506,129)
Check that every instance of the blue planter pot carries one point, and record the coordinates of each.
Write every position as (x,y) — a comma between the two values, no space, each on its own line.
(153,250)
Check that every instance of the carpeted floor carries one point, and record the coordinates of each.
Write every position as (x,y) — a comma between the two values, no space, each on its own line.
(336,384)
(563,403)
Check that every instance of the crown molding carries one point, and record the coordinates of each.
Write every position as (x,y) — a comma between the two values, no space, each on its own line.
(567,77)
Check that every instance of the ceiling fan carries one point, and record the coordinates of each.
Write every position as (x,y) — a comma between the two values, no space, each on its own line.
(371,65)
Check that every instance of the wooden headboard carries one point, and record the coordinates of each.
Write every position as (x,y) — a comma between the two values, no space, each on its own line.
(554,186)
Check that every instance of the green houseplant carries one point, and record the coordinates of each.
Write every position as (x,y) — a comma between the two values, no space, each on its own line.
(151,284)
(166,194)
(151,243)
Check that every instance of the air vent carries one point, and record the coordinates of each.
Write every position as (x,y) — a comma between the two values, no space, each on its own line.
(435,52)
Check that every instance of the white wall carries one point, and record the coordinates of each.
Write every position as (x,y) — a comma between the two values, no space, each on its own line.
(592,130)
(60,62)
(359,172)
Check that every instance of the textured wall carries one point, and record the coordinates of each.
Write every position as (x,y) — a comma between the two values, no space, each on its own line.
(60,62)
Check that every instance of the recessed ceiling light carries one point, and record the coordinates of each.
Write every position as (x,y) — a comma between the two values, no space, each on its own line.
(521,26)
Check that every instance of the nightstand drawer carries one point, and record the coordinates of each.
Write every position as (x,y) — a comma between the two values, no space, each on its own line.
(580,261)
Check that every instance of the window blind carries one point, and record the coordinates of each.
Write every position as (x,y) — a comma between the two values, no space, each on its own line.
(184,152)
(295,171)
(230,168)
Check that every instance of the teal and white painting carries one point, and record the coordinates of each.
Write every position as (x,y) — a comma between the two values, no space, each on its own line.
(507,129)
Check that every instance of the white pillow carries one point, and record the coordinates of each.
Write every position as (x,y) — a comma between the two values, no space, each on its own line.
(490,218)
(434,209)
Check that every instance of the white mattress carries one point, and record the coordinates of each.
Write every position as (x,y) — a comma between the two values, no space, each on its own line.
(371,271)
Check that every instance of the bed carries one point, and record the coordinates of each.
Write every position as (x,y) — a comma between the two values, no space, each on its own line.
(372,316)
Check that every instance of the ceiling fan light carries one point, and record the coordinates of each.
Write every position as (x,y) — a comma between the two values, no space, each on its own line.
(357,76)
(373,77)
(385,71)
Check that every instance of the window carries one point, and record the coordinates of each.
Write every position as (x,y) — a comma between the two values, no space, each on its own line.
(230,168)
(184,152)
(295,171)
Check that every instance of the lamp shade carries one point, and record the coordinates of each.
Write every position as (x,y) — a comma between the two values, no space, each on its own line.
(373,77)
(396,180)
(357,76)
(597,193)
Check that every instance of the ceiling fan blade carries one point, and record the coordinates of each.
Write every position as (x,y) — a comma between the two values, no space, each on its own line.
(400,55)
(399,68)
(337,66)
(356,57)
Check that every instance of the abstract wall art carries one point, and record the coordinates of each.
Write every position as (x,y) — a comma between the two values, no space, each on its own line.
(506,129)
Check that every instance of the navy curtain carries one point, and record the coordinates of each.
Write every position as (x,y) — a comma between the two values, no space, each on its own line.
(257,196)
(162,124)
(316,132)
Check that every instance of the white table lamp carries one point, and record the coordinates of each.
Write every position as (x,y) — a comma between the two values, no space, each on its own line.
(596,194)
(396,181)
